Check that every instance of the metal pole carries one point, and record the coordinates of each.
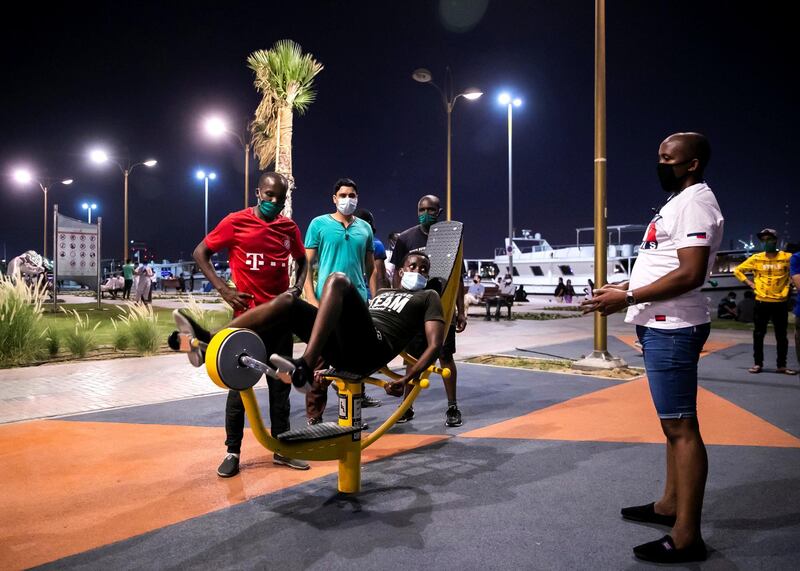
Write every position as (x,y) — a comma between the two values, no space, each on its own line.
(55,258)
(600,239)
(44,240)
(99,255)
(510,203)
(206,218)
(125,248)
(246,174)
(449,155)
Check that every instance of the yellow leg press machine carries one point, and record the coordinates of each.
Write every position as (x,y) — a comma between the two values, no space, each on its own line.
(236,359)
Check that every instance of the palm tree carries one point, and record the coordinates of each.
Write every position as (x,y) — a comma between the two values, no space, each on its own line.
(284,76)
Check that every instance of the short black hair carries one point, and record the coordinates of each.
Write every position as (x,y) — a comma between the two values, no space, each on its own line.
(344,182)
(284,182)
(699,148)
(410,254)
(128,261)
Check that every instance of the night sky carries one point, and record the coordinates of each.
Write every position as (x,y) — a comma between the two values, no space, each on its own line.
(138,77)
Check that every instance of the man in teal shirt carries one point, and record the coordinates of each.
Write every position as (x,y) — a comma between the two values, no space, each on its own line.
(127,273)
(338,242)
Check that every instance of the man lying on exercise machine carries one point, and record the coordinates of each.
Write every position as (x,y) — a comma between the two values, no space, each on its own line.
(345,333)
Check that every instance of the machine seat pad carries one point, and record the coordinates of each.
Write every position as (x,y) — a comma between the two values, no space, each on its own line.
(319,431)
(346,375)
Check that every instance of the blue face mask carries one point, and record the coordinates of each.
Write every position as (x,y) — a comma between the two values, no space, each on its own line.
(413,281)
(270,209)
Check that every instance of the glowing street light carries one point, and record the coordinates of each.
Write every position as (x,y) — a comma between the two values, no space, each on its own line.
(510,102)
(216,127)
(24,176)
(100,156)
(89,207)
(449,99)
(203,175)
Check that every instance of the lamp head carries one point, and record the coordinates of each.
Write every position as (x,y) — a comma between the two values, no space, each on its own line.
(85,206)
(504,98)
(200,175)
(517,102)
(473,94)
(215,127)
(422,75)
(150,163)
(98,156)
(212,175)
(23,176)
(67,181)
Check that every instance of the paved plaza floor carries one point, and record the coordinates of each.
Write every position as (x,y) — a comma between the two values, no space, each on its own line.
(111,464)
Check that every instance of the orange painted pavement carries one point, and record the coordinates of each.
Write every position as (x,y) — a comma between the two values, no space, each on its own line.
(625,413)
(68,487)
(709,347)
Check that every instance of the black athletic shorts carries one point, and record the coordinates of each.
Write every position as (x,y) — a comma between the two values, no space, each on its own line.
(354,344)
(419,343)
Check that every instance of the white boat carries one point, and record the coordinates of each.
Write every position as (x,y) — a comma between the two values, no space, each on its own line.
(538,265)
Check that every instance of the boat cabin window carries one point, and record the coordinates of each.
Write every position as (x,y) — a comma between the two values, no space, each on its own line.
(537,270)
(566,270)
(618,269)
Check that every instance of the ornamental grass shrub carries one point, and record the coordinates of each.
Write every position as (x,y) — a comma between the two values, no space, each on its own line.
(22,333)
(82,338)
(140,324)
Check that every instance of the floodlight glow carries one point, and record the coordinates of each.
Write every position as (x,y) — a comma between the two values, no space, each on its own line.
(504,98)
(23,176)
(150,163)
(473,95)
(215,126)
(517,102)
(94,205)
(212,175)
(200,175)
(98,156)
(84,206)
(67,181)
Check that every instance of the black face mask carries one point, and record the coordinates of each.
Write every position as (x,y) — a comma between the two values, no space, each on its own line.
(666,176)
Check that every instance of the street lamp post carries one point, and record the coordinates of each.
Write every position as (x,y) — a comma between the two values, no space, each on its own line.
(202,175)
(100,157)
(216,127)
(449,99)
(510,103)
(24,177)
(89,207)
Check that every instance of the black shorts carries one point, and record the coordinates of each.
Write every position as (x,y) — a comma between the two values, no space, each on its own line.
(354,344)
(419,343)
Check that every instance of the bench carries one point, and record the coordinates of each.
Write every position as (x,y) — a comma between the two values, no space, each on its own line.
(493,297)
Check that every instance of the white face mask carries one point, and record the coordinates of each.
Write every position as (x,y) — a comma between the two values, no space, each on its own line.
(346,206)
(413,281)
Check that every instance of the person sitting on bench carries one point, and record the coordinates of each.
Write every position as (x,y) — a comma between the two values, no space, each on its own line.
(348,335)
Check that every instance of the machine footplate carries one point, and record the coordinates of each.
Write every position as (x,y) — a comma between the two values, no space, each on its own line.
(319,431)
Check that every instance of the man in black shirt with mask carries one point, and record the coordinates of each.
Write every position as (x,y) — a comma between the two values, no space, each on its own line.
(347,334)
(415,239)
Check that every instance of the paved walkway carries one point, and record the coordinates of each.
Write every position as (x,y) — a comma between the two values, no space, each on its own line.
(61,389)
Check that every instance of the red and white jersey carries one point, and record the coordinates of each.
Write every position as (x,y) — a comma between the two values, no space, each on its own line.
(258,251)
(690,218)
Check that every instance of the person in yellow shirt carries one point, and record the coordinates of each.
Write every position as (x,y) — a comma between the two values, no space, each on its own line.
(770,271)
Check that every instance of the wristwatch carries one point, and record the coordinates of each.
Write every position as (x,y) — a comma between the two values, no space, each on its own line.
(629,297)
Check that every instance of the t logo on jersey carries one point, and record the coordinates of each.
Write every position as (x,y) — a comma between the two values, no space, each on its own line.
(255,260)
(650,242)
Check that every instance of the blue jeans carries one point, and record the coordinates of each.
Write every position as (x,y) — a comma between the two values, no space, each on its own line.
(670,358)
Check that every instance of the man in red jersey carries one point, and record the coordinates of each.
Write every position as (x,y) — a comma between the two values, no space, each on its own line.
(259,242)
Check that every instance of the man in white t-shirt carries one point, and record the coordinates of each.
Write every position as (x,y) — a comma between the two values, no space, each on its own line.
(673,322)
